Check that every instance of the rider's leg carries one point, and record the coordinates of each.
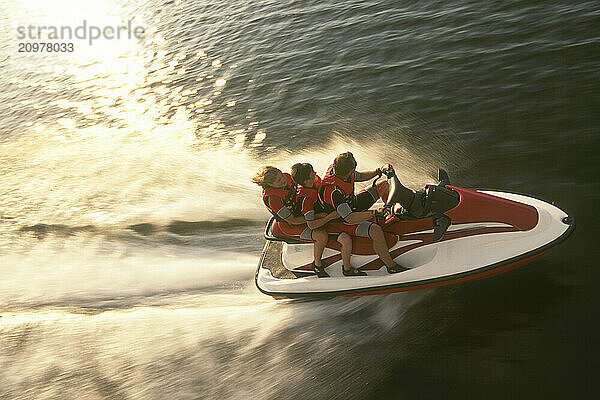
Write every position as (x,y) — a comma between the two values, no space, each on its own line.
(346,241)
(320,237)
(380,246)
(383,188)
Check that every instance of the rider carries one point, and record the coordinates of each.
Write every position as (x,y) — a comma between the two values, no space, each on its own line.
(304,175)
(337,193)
(280,198)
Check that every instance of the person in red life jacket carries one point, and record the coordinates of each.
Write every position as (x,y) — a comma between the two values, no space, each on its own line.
(280,198)
(304,175)
(337,193)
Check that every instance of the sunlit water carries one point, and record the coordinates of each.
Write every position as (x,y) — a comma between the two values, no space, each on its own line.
(130,232)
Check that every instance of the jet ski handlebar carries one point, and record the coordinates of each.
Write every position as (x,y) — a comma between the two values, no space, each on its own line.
(387,170)
(433,199)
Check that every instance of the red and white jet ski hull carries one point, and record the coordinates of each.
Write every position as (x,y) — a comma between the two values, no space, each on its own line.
(491,232)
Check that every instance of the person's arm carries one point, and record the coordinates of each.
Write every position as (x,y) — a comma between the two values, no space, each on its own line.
(319,222)
(276,205)
(366,175)
(345,211)
(295,220)
(314,220)
(358,216)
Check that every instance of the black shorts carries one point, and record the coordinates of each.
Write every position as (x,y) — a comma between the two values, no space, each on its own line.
(365,199)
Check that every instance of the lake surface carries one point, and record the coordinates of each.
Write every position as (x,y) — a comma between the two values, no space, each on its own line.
(130,232)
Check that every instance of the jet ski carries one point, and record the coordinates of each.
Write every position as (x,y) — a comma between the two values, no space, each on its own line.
(443,234)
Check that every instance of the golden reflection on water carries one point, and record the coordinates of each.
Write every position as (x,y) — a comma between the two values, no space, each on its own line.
(106,112)
(126,80)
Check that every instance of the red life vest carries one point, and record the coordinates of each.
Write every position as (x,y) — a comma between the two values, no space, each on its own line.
(331,182)
(287,194)
(310,193)
(316,185)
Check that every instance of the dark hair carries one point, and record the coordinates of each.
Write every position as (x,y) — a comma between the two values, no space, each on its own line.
(344,163)
(301,172)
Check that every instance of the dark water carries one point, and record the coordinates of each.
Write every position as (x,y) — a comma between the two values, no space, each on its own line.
(130,231)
